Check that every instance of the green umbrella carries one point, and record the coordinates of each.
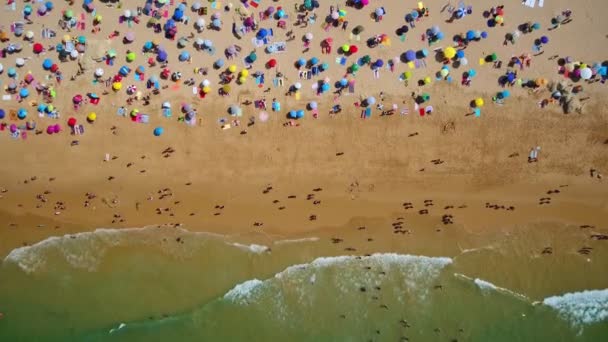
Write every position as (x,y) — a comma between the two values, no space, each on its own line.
(68,14)
(493,57)
(354,67)
(366,59)
(111,53)
(131,56)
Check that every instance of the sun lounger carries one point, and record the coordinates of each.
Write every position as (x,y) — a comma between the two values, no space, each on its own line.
(143,118)
(315,70)
(276,47)
(80,129)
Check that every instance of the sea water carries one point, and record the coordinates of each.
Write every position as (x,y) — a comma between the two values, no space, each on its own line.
(155,284)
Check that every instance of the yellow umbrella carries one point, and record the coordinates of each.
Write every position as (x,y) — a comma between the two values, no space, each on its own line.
(131,56)
(244,73)
(92,117)
(407,75)
(427,80)
(242,79)
(449,52)
(232,68)
(98,18)
(226,88)
(206,90)
(134,112)
(116,86)
(66,38)
(478,102)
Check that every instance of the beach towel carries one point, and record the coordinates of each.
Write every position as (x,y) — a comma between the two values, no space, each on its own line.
(343,61)
(541,3)
(80,129)
(254,4)
(298,95)
(368,112)
(167,112)
(315,70)
(351,87)
(143,118)
(530,3)
(216,5)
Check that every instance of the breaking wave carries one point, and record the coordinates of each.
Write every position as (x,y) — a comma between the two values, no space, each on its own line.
(585,307)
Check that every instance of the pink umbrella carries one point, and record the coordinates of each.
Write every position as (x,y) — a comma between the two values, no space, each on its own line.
(13,128)
(56,128)
(364,2)
(77,99)
(50,130)
(130,36)
(264,116)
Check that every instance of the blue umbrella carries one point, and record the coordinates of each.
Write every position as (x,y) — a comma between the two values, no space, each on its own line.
(184,56)
(22,113)
(314,61)
(252,57)
(414,14)
(11,72)
(470,35)
(162,56)
(262,33)
(505,93)
(293,114)
(472,73)
(42,108)
(47,64)
(379,63)
(325,87)
(49,5)
(324,66)
(2,114)
(343,82)
(439,35)
(511,77)
(544,39)
(410,55)
(24,92)
(124,70)
(178,14)
(219,63)
(216,23)
(536,26)
(422,53)
(148,45)
(301,62)
(158,131)
(300,114)
(435,29)
(459,54)
(484,34)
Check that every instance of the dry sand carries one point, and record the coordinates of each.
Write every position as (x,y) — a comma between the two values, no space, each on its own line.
(365,168)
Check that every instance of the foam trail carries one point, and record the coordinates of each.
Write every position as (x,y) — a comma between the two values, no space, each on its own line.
(120,326)
(258,249)
(487,286)
(310,239)
(579,308)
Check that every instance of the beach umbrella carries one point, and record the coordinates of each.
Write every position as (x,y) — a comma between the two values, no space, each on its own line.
(131,56)
(116,86)
(206,90)
(460,54)
(434,30)
(484,34)
(410,55)
(536,26)
(37,48)
(231,50)
(478,102)
(272,63)
(49,129)
(184,56)
(314,61)
(216,23)
(354,67)
(379,11)
(22,113)
(353,49)
(11,72)
(263,116)
(308,36)
(2,114)
(414,14)
(298,85)
(586,73)
(544,39)
(219,63)
(505,94)
(47,63)
(449,52)
(74,54)
(444,72)
(12,85)
(280,13)
(325,87)
(262,33)
(301,62)
(343,82)
(407,75)
(68,14)
(226,88)
(91,117)
(244,72)
(299,114)
(162,56)
(19,62)
(242,79)
(252,57)
(200,23)
(158,131)
(324,66)
(207,43)
(358,29)
(472,73)
(235,110)
(463,61)
(24,92)
(422,53)
(72,122)
(130,36)
(293,114)
(427,80)
(439,36)
(371,100)
(313,105)
(335,15)
(232,68)
(249,22)
(379,63)
(345,47)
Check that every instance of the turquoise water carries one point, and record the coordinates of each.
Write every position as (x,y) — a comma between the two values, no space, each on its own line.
(171,285)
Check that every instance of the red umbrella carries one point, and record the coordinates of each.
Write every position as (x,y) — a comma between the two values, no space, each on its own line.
(38,48)
(353,49)
(71,122)
(272,63)
(54,68)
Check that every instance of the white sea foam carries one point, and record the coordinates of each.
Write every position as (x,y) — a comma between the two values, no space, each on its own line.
(418,270)
(120,326)
(243,291)
(486,286)
(251,248)
(85,250)
(309,239)
(579,308)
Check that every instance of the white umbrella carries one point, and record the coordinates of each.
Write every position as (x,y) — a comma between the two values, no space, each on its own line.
(264,116)
(29,35)
(196,6)
(298,85)
(200,42)
(464,61)
(308,36)
(74,54)
(200,22)
(166,105)
(208,43)
(99,72)
(20,62)
(127,14)
(206,83)
(1,68)
(586,73)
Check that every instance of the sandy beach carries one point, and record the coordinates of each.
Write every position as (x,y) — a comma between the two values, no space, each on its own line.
(458,175)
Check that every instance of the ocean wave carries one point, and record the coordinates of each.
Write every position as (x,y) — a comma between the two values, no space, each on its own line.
(85,250)
(417,272)
(309,239)
(579,308)
(120,326)
(485,286)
